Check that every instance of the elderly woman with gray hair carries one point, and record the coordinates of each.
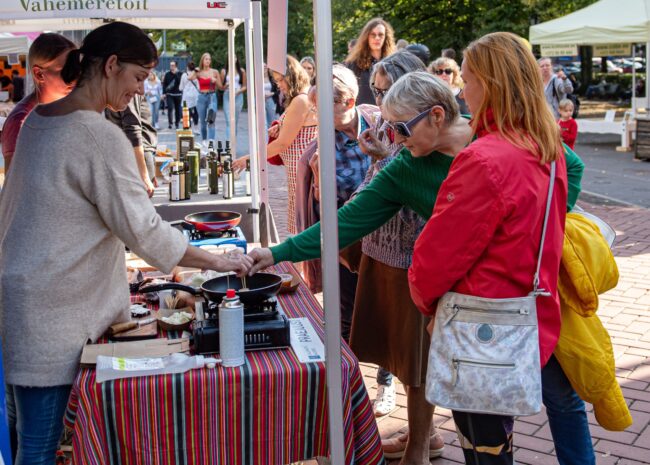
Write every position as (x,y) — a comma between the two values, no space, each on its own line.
(411,179)
(351,167)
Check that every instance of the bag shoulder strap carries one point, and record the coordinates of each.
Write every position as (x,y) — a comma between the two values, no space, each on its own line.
(549,198)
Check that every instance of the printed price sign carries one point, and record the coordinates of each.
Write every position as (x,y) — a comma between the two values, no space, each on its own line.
(305,342)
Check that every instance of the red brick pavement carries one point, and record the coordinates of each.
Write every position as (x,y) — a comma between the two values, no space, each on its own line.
(625,313)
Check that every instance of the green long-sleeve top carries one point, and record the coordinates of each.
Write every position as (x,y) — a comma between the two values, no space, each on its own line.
(407,181)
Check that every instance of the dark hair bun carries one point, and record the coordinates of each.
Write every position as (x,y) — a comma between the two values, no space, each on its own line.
(72,68)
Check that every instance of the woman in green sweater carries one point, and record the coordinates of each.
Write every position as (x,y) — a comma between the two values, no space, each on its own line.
(411,180)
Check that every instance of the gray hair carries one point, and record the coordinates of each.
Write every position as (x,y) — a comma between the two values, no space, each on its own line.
(396,65)
(417,91)
(345,83)
(309,60)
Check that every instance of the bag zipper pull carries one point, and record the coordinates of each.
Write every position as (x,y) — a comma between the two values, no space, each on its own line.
(454,374)
(452,316)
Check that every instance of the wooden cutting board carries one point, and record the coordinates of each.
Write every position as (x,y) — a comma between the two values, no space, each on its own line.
(148,331)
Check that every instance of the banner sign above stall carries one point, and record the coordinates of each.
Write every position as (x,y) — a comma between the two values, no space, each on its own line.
(566,50)
(47,9)
(613,50)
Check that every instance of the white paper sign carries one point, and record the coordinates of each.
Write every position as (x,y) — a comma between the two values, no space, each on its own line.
(566,50)
(305,342)
(613,50)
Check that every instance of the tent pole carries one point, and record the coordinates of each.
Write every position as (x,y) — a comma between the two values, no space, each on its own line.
(253,87)
(633,81)
(647,91)
(231,89)
(647,83)
(329,225)
(258,51)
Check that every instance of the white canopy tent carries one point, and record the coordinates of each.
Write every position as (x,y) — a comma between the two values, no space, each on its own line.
(604,22)
(10,43)
(14,44)
(41,15)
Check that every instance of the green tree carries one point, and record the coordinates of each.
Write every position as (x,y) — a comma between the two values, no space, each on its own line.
(440,24)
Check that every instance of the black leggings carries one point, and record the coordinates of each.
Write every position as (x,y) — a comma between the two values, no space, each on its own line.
(485,439)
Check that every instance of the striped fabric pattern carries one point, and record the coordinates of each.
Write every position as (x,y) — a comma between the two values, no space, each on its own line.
(272,410)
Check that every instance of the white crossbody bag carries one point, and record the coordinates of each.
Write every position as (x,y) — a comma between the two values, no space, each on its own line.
(484,354)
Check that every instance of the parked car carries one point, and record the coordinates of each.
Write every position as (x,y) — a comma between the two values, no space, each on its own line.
(611,67)
(626,64)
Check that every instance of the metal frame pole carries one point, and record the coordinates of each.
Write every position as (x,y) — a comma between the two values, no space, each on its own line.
(647,90)
(258,51)
(329,226)
(253,87)
(231,88)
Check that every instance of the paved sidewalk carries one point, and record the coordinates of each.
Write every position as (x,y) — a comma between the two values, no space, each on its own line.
(625,311)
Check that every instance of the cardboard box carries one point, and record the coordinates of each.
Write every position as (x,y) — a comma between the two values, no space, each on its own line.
(134,349)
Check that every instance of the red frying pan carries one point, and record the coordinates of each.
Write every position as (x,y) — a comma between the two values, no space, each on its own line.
(213,221)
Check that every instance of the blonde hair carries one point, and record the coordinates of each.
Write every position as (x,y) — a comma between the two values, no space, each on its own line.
(417,91)
(345,83)
(513,92)
(566,103)
(360,54)
(296,78)
(444,62)
(201,67)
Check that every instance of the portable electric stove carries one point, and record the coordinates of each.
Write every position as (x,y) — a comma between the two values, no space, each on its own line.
(198,238)
(265,327)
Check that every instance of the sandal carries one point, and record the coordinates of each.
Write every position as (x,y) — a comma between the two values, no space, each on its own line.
(394,447)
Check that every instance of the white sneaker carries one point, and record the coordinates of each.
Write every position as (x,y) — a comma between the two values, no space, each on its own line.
(385,401)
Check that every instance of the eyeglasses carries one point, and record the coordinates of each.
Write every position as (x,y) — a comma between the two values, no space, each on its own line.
(404,128)
(446,71)
(379,93)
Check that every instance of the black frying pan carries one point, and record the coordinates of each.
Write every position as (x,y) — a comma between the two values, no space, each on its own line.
(262,286)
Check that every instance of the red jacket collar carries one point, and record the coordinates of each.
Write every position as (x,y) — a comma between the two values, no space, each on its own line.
(485,125)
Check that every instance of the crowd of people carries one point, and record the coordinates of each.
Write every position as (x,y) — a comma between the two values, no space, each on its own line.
(442,173)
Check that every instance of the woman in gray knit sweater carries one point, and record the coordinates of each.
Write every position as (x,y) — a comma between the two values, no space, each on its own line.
(73,201)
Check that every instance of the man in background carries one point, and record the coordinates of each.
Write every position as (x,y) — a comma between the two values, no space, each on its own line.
(19,86)
(171,91)
(135,121)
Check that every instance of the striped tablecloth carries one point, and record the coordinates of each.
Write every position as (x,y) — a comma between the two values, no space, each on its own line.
(272,410)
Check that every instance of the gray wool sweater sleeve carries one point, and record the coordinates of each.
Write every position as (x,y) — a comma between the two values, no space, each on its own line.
(72,200)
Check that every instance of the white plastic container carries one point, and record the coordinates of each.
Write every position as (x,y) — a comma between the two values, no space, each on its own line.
(117,367)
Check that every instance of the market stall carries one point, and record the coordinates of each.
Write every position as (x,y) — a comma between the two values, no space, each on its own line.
(42,15)
(272,410)
(39,15)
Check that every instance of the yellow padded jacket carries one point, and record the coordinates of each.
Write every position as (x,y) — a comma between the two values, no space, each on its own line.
(584,348)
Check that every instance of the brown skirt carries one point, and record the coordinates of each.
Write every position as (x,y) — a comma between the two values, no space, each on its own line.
(387,328)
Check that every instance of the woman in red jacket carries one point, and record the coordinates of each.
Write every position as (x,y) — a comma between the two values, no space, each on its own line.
(483,237)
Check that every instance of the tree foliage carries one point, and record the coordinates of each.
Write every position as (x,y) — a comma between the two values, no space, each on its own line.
(437,24)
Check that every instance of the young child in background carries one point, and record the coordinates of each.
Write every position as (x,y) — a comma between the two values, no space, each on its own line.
(568,126)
